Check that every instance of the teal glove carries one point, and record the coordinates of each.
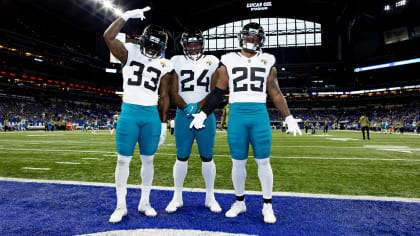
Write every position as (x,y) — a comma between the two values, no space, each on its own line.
(191,108)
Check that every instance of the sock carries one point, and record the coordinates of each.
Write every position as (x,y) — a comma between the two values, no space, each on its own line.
(265,173)
(146,173)
(121,175)
(239,176)
(179,172)
(208,170)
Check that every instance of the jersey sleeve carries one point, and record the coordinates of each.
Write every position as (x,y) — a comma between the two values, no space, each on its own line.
(224,59)
(131,49)
(216,62)
(168,66)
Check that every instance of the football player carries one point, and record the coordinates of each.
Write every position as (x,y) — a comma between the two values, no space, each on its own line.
(250,75)
(145,75)
(191,83)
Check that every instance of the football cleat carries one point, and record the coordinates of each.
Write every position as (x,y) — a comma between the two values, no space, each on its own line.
(174,205)
(117,215)
(213,205)
(147,209)
(268,214)
(237,208)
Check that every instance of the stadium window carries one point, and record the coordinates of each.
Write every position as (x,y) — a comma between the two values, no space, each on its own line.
(280,32)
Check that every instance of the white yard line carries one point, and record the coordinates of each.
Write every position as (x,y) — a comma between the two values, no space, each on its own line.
(281,194)
(68,163)
(33,168)
(174,154)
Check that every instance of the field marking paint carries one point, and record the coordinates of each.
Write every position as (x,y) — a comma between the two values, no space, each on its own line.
(92,158)
(280,194)
(171,232)
(52,150)
(277,157)
(346,158)
(343,139)
(43,135)
(33,168)
(403,149)
(68,163)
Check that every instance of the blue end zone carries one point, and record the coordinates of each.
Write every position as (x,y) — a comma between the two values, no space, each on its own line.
(56,209)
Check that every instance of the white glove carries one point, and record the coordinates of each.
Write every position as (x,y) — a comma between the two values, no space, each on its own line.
(138,13)
(198,121)
(292,125)
(163,133)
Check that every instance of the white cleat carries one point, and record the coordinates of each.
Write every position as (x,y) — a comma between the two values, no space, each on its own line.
(237,208)
(147,209)
(117,215)
(268,214)
(213,205)
(174,205)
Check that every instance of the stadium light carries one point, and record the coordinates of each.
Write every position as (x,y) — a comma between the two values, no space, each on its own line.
(387,8)
(386,65)
(107,4)
(110,70)
(400,3)
(118,11)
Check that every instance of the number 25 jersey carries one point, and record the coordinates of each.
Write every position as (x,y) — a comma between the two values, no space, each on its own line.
(248,76)
(141,77)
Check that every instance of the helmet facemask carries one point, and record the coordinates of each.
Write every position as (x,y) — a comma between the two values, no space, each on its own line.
(193,45)
(153,41)
(251,37)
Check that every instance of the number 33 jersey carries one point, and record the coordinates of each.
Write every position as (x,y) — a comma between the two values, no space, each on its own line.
(194,77)
(142,77)
(248,76)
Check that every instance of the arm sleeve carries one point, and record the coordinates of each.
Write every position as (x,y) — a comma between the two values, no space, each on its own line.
(214,99)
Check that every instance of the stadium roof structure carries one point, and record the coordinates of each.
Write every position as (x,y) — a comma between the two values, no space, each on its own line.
(352,30)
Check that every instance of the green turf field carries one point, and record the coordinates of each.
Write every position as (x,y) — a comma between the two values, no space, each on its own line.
(386,165)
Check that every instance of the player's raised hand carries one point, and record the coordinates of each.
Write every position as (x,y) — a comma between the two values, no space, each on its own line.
(191,108)
(198,121)
(292,125)
(137,13)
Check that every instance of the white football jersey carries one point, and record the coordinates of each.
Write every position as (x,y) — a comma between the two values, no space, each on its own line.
(142,76)
(194,77)
(248,76)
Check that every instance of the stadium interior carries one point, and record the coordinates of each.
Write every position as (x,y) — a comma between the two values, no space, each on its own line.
(59,62)
(335,59)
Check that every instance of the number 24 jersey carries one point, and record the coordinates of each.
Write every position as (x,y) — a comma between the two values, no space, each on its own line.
(248,76)
(142,76)
(194,77)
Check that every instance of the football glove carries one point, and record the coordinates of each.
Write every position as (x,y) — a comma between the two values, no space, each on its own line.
(198,121)
(292,125)
(163,133)
(191,108)
(137,13)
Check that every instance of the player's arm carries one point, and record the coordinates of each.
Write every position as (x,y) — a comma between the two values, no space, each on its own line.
(116,47)
(164,101)
(276,95)
(212,86)
(280,103)
(164,104)
(213,99)
(175,98)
